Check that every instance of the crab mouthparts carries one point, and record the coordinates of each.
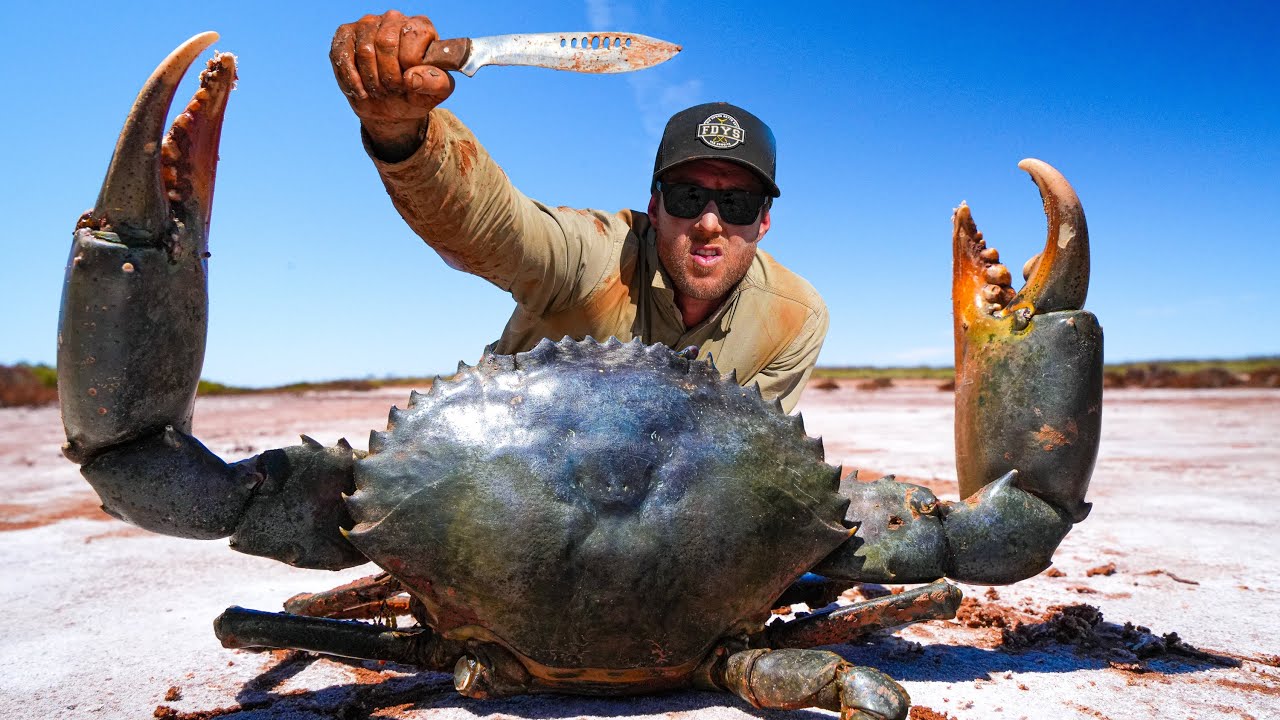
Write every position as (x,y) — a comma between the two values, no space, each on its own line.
(155,179)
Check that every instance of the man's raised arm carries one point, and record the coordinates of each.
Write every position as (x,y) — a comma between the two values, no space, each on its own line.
(443,182)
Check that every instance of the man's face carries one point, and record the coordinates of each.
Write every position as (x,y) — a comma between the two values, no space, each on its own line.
(706,256)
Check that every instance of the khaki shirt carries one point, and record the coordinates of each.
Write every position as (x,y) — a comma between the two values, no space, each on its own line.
(586,272)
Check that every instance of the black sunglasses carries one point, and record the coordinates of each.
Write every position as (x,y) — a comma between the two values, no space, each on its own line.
(737,207)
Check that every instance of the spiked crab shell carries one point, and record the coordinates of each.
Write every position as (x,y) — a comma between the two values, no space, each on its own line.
(614,491)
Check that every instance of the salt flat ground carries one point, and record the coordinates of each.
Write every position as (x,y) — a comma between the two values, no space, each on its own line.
(101,620)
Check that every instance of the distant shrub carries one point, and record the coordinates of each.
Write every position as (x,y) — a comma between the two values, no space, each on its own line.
(25,385)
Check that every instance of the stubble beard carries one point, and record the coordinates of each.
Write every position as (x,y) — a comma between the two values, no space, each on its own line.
(714,286)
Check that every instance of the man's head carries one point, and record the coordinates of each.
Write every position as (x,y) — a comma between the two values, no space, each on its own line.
(712,187)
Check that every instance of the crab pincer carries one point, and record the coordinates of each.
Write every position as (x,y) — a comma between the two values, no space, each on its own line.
(131,339)
(1028,364)
(1028,418)
(131,335)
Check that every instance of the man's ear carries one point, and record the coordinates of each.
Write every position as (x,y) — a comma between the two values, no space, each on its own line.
(654,199)
(765,223)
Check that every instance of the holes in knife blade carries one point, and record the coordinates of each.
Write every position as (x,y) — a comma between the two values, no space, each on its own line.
(595,42)
(627,43)
(563,42)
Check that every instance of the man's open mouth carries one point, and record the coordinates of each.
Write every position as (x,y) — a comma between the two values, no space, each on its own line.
(706,257)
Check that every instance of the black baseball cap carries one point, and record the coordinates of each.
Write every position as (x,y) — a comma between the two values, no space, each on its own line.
(718,131)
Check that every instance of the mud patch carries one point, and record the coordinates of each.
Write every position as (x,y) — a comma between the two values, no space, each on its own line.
(1081,627)
(1127,647)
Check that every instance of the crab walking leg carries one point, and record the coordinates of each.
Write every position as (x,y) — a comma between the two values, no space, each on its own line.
(935,601)
(366,598)
(238,627)
(131,341)
(793,679)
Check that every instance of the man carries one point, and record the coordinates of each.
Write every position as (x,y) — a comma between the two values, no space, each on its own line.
(687,272)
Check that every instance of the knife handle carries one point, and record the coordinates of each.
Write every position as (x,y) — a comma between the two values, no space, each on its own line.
(448,54)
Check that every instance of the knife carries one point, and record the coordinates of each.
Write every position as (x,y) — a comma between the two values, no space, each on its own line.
(584,52)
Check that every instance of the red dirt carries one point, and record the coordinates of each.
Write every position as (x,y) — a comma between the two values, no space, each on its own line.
(920,712)
(1108,569)
(83,506)
(1171,576)
(466,152)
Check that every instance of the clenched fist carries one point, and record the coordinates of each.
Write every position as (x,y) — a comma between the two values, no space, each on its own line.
(377,61)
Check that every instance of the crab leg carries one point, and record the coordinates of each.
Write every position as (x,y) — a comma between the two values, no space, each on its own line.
(936,601)
(238,627)
(1028,418)
(367,598)
(792,679)
(131,342)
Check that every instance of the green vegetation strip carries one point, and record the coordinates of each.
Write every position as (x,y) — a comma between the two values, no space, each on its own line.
(47,376)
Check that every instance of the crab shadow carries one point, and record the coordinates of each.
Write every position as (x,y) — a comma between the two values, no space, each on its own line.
(380,688)
(909,661)
(383,689)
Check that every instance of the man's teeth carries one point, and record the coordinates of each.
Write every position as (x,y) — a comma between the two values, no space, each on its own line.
(706,252)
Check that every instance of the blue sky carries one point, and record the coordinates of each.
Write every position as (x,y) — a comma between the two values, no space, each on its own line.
(1164,115)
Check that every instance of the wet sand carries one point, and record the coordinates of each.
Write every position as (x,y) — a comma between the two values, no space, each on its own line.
(106,621)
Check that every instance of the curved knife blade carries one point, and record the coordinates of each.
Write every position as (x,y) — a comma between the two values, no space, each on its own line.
(584,52)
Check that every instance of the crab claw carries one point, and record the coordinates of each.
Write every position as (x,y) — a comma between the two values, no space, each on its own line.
(1028,364)
(131,333)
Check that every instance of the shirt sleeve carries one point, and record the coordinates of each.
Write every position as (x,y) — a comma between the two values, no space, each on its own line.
(787,374)
(461,203)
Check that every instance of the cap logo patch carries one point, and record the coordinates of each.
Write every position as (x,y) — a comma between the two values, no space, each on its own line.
(721,131)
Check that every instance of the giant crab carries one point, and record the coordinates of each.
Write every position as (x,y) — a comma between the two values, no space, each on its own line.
(585,517)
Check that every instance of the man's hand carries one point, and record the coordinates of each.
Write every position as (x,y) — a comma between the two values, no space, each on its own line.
(377,62)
